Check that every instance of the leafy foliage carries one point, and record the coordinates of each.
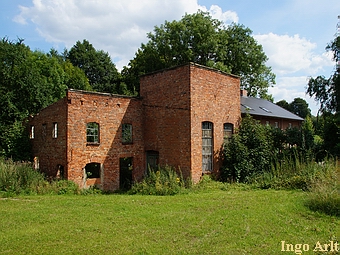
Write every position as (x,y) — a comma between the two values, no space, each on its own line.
(327,91)
(20,178)
(29,81)
(298,106)
(201,39)
(248,152)
(101,72)
(256,149)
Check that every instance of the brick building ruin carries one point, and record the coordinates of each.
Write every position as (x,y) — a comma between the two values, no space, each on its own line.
(180,119)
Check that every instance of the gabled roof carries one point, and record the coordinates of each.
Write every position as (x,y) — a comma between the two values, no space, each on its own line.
(261,107)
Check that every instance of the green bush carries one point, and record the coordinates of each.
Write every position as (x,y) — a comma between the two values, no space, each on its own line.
(163,181)
(248,152)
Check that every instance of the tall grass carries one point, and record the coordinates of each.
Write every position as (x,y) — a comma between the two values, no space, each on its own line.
(325,195)
(320,180)
(17,178)
(162,181)
(295,172)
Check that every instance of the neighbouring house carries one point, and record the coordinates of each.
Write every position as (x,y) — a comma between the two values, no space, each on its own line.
(180,119)
(268,113)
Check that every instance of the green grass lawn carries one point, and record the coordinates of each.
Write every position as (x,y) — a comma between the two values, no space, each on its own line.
(231,221)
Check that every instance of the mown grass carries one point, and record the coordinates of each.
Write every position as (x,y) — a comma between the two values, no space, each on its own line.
(219,219)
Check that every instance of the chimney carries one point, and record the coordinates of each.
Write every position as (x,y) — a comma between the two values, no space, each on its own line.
(243,93)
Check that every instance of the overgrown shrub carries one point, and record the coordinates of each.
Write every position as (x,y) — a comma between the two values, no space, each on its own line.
(261,150)
(162,181)
(248,152)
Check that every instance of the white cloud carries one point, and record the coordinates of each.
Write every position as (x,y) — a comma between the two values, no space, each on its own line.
(291,54)
(217,13)
(118,27)
(289,88)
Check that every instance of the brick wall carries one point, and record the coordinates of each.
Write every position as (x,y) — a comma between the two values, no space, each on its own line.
(166,102)
(110,112)
(50,151)
(215,97)
(278,122)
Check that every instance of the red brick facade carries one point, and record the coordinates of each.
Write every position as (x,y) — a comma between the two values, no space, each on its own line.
(166,126)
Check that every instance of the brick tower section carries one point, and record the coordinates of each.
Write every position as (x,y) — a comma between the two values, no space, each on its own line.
(214,97)
(176,101)
(166,102)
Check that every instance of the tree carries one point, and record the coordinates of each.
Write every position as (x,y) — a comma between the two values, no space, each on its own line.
(298,106)
(74,77)
(327,91)
(97,65)
(284,104)
(201,39)
(29,81)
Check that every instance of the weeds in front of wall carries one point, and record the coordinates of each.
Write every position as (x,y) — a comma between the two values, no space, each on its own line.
(161,181)
(18,178)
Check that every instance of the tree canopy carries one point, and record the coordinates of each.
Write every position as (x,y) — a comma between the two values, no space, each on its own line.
(298,106)
(98,67)
(327,91)
(201,39)
(29,81)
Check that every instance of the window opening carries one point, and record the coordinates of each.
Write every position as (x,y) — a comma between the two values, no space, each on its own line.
(92,132)
(126,133)
(60,171)
(227,131)
(36,163)
(32,132)
(55,130)
(92,170)
(207,146)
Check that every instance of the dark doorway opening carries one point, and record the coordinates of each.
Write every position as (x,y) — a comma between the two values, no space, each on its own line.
(60,172)
(125,173)
(152,160)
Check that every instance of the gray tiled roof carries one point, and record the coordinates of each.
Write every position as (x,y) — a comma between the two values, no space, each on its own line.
(261,107)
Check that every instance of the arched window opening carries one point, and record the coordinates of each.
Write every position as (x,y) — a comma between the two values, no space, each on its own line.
(207,146)
(228,130)
(92,170)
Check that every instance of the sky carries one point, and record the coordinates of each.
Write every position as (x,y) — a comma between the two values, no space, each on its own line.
(293,33)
